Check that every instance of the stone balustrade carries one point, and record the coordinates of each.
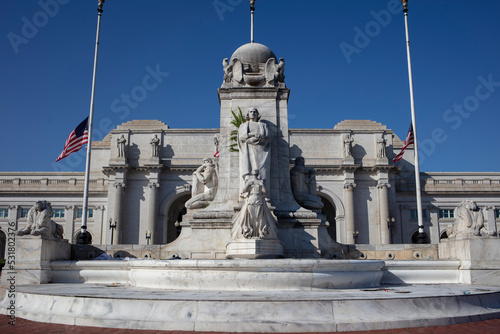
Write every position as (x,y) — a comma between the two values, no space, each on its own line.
(37,182)
(445,182)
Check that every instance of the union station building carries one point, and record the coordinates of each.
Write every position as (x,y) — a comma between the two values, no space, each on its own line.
(139,198)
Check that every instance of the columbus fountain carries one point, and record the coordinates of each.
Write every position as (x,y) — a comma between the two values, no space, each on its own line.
(261,246)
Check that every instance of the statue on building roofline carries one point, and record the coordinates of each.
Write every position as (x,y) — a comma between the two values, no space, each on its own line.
(381,142)
(120,144)
(40,222)
(155,143)
(348,140)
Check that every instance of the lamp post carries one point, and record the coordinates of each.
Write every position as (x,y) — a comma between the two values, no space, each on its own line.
(112,227)
(355,236)
(391,223)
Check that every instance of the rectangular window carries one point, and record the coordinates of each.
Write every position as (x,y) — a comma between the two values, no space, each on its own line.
(90,213)
(446,213)
(58,213)
(24,213)
(4,213)
(414,215)
(497,213)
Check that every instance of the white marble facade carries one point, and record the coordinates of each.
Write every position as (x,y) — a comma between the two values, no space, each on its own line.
(144,189)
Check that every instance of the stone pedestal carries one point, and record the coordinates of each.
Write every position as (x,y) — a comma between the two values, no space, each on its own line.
(33,257)
(479,257)
(254,249)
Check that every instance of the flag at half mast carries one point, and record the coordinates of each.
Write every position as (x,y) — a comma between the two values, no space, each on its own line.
(77,138)
(409,140)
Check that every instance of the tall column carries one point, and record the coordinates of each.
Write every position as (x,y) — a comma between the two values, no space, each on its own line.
(349,212)
(118,212)
(385,237)
(152,209)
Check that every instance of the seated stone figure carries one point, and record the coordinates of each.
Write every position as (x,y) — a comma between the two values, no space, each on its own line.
(39,222)
(303,182)
(254,220)
(469,221)
(205,182)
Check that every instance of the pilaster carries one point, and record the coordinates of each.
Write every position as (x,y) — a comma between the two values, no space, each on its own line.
(13,212)
(99,225)
(69,229)
(434,224)
(491,224)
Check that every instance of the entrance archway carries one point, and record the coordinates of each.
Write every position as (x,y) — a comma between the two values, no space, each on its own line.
(173,218)
(329,211)
(415,239)
(88,239)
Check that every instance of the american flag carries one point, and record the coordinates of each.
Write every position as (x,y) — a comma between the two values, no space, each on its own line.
(77,138)
(406,143)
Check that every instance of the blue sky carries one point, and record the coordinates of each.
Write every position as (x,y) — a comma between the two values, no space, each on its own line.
(344,60)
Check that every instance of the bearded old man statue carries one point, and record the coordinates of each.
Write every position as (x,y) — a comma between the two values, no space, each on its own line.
(254,146)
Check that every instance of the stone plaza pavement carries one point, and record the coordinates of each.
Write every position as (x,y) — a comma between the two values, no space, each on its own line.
(31,327)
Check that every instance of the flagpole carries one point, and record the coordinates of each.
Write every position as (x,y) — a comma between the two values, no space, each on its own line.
(421,235)
(252,10)
(84,239)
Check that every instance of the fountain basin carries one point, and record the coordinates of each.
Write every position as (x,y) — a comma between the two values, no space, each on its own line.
(223,275)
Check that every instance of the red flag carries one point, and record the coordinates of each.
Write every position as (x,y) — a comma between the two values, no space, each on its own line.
(77,138)
(406,143)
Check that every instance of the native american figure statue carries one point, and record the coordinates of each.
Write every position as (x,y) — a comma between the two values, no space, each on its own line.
(205,182)
(469,221)
(39,222)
